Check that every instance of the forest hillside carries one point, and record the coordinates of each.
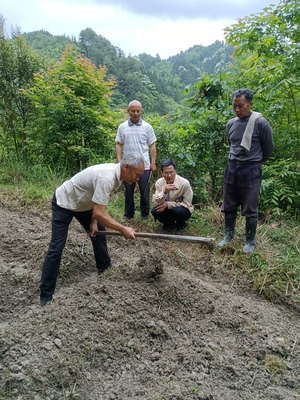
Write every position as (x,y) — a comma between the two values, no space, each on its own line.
(159,84)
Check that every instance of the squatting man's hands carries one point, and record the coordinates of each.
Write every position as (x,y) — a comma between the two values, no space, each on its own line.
(168,188)
(161,207)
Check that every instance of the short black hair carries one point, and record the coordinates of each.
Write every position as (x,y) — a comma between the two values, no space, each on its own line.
(243,92)
(167,163)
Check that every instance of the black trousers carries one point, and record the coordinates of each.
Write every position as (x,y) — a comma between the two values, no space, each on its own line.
(144,185)
(241,188)
(61,219)
(174,217)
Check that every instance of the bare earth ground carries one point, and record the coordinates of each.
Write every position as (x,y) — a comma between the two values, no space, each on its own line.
(164,323)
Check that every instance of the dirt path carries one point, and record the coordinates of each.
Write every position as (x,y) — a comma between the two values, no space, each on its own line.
(162,324)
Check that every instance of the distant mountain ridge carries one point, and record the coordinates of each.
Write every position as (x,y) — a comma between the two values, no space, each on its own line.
(157,83)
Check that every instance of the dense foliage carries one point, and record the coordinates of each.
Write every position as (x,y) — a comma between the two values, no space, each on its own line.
(18,63)
(267,59)
(62,100)
(71,115)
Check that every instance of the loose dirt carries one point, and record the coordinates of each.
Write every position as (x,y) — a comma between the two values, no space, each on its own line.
(164,323)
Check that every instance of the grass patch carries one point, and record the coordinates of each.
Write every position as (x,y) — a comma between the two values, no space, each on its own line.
(275,365)
(24,188)
(273,269)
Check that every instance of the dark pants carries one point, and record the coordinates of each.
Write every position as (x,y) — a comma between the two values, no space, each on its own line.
(174,217)
(144,185)
(61,219)
(241,188)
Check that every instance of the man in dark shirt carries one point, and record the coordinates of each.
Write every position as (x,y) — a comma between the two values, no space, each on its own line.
(251,144)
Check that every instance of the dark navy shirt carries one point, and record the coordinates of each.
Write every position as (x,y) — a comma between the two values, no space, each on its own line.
(262,145)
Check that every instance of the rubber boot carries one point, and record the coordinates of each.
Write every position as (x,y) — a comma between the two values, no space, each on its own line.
(251,224)
(229,229)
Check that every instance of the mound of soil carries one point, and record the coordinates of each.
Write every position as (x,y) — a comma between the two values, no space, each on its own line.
(164,323)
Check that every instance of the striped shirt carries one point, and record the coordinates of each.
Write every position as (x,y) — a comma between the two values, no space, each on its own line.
(136,138)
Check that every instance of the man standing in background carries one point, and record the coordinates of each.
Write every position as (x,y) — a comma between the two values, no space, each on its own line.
(137,136)
(251,144)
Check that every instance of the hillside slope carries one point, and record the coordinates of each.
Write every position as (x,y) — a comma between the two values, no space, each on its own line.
(162,324)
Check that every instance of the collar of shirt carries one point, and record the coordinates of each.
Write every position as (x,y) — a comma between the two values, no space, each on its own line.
(138,124)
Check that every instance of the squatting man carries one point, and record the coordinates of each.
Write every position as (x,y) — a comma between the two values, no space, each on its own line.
(172,199)
(85,196)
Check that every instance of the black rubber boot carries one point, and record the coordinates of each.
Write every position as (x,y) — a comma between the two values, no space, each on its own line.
(251,224)
(229,229)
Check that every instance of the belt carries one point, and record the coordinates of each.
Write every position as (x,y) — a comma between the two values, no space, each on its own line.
(238,162)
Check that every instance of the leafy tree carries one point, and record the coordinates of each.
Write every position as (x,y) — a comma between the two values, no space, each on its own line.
(98,50)
(166,81)
(49,46)
(210,111)
(72,120)
(148,61)
(198,144)
(191,64)
(267,59)
(18,63)
(280,189)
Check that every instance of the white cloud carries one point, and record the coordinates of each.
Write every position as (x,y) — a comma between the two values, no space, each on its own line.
(189,9)
(163,27)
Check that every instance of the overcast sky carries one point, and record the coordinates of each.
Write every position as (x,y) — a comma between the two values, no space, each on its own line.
(163,27)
